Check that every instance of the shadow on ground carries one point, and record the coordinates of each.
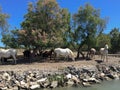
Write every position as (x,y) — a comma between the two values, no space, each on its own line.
(38,59)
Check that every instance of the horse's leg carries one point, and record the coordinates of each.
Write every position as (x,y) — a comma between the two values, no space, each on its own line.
(106,58)
(91,55)
(101,56)
(51,56)
(67,57)
(56,57)
(14,59)
(94,55)
(1,59)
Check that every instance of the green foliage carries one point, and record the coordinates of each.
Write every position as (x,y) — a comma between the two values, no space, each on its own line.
(87,25)
(46,24)
(3,22)
(115,40)
(9,41)
(102,39)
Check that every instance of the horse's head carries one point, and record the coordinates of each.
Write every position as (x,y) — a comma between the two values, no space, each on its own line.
(52,50)
(72,55)
(106,47)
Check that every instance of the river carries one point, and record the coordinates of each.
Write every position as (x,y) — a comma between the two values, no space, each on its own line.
(111,85)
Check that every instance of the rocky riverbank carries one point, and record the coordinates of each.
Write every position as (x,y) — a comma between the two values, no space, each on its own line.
(68,76)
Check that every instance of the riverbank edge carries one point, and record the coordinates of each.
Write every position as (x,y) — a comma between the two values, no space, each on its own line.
(68,76)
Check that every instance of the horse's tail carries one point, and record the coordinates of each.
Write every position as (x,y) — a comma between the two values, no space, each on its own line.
(72,54)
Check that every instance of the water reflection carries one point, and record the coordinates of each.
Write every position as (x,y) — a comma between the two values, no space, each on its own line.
(111,85)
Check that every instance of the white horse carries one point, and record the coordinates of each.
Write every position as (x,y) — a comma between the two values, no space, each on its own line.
(104,53)
(92,53)
(6,53)
(64,52)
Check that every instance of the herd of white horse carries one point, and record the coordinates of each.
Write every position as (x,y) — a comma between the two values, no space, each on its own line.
(103,53)
(67,53)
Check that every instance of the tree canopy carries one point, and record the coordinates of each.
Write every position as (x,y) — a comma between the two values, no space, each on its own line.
(115,40)
(3,22)
(87,26)
(44,24)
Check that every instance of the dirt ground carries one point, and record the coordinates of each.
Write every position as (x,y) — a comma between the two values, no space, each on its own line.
(46,64)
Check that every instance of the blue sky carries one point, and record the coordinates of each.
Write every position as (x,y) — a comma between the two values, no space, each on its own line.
(108,8)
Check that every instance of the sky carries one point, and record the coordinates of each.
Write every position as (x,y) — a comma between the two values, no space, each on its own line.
(16,9)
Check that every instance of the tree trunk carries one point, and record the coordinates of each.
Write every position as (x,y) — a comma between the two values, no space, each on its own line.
(88,52)
(80,52)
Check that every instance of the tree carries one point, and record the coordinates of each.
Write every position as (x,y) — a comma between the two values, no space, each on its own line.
(115,40)
(102,39)
(3,22)
(87,25)
(11,39)
(45,24)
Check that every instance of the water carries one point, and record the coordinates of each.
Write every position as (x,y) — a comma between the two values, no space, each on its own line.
(111,85)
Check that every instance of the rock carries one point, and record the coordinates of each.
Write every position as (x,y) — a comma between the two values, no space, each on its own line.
(115,76)
(113,68)
(35,86)
(42,80)
(34,79)
(86,84)
(85,80)
(1,84)
(4,88)
(70,82)
(6,76)
(54,84)
(23,84)
(94,80)
(17,83)
(14,88)
(102,74)
(69,76)
(110,76)
(75,79)
(45,84)
(107,78)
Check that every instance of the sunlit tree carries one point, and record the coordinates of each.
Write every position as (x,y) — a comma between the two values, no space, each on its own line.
(115,40)
(45,24)
(3,22)
(87,25)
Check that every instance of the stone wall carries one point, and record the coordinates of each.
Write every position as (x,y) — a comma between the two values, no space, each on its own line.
(69,76)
